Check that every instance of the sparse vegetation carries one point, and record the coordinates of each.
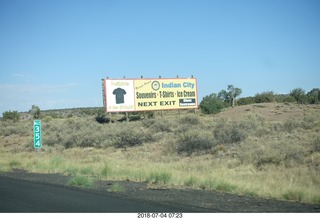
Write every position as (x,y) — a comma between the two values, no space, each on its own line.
(116,187)
(267,149)
(81,181)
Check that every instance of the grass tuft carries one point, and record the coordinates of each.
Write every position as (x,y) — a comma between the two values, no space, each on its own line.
(14,164)
(116,187)
(294,195)
(106,171)
(81,181)
(191,181)
(159,178)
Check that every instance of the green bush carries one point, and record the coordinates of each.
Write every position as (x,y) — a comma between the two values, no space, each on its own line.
(284,98)
(281,152)
(11,115)
(194,142)
(11,127)
(245,101)
(130,134)
(226,132)
(316,144)
(190,120)
(212,104)
(264,97)
(102,118)
(162,125)
(290,125)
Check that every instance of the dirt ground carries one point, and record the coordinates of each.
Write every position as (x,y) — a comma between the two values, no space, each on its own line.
(272,112)
(199,200)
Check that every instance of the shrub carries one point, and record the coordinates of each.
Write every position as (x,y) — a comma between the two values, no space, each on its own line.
(245,101)
(191,120)
(8,115)
(130,134)
(193,142)
(290,125)
(211,104)
(308,122)
(161,125)
(102,118)
(11,127)
(281,152)
(316,144)
(299,95)
(265,97)
(232,132)
(284,98)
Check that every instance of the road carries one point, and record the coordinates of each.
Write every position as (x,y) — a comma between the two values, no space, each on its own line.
(29,197)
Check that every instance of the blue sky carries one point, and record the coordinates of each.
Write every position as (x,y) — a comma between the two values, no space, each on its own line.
(53,53)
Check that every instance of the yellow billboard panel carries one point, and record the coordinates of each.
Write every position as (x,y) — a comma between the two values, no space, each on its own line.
(150,94)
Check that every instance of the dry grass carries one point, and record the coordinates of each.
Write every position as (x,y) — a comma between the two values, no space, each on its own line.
(272,156)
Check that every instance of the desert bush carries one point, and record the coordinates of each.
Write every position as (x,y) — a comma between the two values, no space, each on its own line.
(162,125)
(150,114)
(194,142)
(229,132)
(102,118)
(21,128)
(284,98)
(309,122)
(264,97)
(212,104)
(281,152)
(130,134)
(316,144)
(290,125)
(74,132)
(245,101)
(11,115)
(190,120)
(299,95)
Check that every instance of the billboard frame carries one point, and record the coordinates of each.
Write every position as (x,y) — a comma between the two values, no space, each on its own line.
(134,80)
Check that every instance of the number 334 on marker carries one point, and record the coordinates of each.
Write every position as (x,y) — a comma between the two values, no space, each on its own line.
(37,134)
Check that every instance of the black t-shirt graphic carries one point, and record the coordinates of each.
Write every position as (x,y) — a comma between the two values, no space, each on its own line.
(119,92)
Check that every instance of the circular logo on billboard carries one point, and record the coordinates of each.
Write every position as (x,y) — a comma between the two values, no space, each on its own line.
(155,85)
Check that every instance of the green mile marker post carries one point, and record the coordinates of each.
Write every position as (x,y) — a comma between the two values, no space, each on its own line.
(37,141)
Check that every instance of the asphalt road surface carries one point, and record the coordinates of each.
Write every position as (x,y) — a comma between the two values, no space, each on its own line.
(28,197)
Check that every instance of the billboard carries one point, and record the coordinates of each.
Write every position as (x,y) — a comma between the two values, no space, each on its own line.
(128,95)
